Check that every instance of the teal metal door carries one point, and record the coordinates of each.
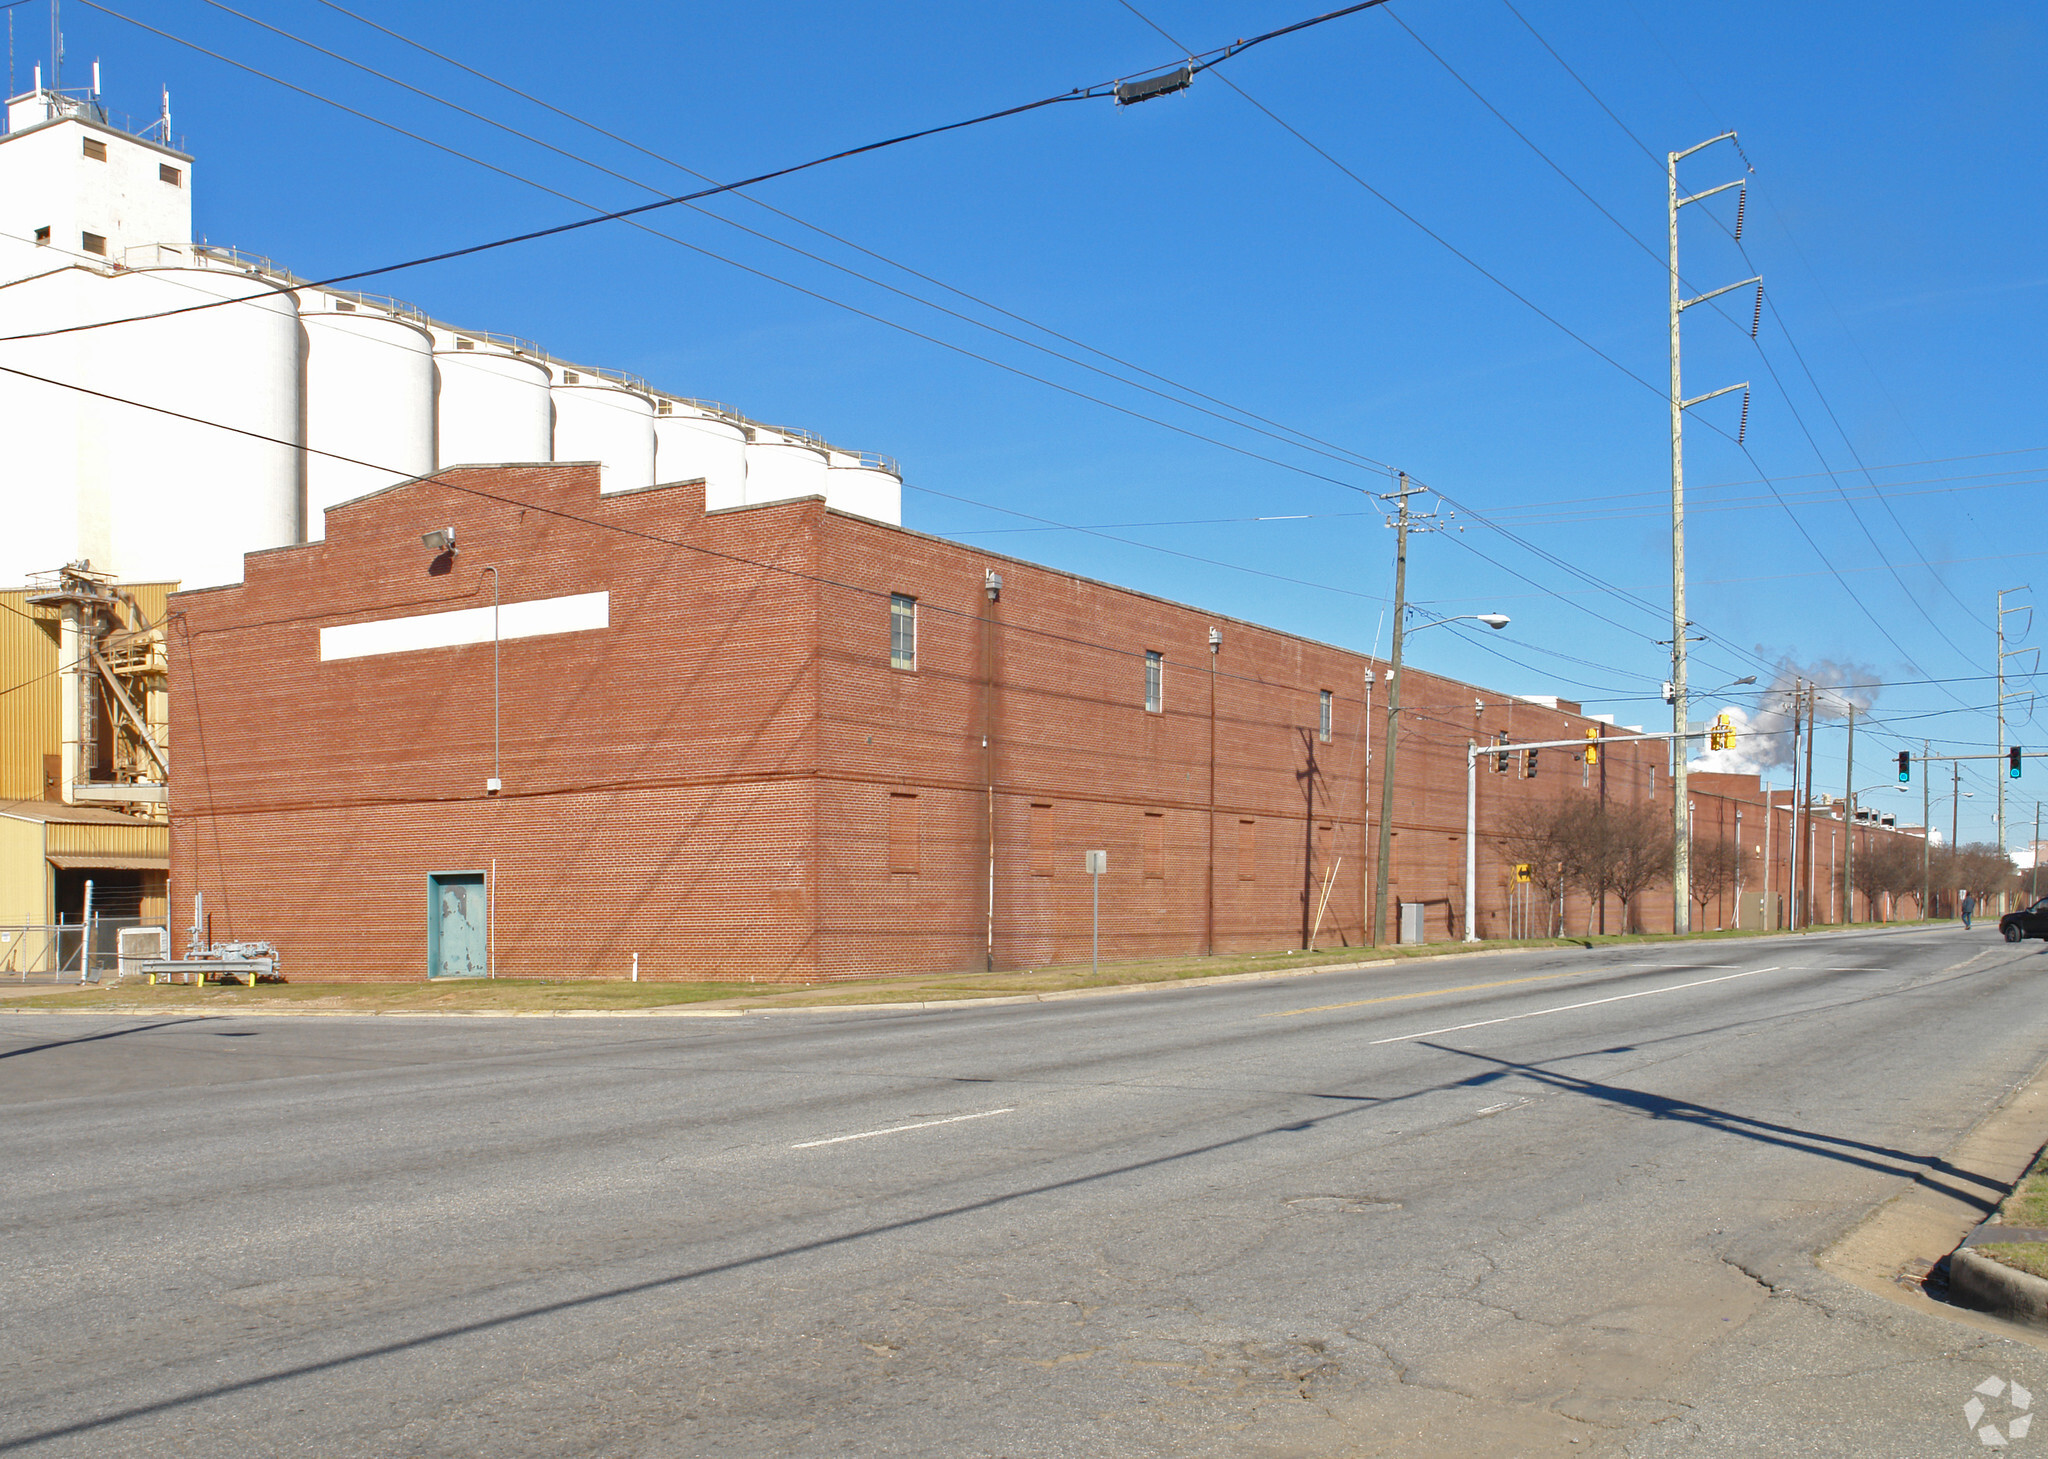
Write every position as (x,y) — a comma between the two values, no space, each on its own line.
(458,925)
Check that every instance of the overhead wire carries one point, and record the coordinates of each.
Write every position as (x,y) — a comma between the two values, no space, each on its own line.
(1343,455)
(1762,355)
(1791,343)
(842,240)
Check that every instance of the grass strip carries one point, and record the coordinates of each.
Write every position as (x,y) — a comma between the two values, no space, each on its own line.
(549,995)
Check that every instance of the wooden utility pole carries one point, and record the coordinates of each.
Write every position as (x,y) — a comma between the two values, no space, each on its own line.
(1849,825)
(1812,706)
(1386,841)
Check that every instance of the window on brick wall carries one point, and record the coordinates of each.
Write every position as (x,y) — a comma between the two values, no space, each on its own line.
(1247,850)
(902,631)
(903,833)
(1325,715)
(1041,838)
(1155,845)
(1155,682)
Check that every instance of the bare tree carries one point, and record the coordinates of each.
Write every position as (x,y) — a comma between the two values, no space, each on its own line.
(1637,842)
(1716,867)
(1890,866)
(1540,834)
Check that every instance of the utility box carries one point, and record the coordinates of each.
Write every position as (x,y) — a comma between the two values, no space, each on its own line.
(1411,922)
(133,946)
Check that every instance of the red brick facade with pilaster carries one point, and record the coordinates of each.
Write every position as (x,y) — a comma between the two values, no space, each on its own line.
(731,780)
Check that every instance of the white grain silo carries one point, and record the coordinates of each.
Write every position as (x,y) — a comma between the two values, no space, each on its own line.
(784,463)
(607,418)
(491,402)
(52,518)
(866,485)
(700,440)
(186,497)
(369,398)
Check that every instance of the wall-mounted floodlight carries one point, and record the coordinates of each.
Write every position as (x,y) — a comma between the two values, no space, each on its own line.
(441,539)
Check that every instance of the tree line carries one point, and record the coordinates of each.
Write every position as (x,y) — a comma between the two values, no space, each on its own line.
(1622,850)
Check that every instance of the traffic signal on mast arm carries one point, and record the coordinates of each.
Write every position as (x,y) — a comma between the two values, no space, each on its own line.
(1532,764)
(1721,736)
(2012,762)
(1905,766)
(1592,747)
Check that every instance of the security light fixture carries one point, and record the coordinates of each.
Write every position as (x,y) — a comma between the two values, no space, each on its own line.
(441,539)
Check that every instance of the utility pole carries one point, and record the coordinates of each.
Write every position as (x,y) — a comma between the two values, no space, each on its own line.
(1386,846)
(1812,705)
(2003,654)
(1955,802)
(1926,830)
(1792,860)
(1849,825)
(1681,868)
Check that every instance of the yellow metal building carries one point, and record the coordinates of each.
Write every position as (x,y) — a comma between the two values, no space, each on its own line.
(53,838)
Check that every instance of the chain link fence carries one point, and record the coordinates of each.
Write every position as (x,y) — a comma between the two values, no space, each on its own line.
(76,952)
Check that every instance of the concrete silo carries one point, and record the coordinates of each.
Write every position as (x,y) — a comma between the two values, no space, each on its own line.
(700,440)
(784,463)
(369,398)
(608,418)
(491,402)
(215,470)
(866,485)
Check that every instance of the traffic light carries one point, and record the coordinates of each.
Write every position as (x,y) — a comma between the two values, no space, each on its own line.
(1727,732)
(1905,766)
(1500,756)
(2012,762)
(1592,747)
(1532,764)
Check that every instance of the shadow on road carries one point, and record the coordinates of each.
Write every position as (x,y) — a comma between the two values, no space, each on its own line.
(1763,1132)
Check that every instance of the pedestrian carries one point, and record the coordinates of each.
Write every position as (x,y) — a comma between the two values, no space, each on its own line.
(1969,906)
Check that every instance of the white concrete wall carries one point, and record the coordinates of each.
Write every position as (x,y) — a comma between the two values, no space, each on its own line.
(46,180)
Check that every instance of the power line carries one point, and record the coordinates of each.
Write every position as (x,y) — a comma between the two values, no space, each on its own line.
(1299,439)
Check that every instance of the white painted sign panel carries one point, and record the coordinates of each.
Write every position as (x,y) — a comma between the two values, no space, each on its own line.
(577,613)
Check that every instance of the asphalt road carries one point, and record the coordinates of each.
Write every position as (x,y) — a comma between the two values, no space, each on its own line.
(1525,1204)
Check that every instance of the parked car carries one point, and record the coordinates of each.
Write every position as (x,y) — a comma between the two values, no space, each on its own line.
(2027,922)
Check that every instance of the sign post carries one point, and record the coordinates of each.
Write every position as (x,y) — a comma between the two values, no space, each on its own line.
(1097,863)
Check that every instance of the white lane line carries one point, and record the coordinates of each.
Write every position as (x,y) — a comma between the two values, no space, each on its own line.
(1568,1007)
(899,1129)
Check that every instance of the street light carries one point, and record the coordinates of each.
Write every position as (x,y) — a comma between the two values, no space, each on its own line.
(1495,621)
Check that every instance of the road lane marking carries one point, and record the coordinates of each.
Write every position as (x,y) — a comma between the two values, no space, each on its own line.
(1427,993)
(1568,1007)
(899,1129)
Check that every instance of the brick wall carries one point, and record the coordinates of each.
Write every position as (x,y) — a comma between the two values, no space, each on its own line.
(733,781)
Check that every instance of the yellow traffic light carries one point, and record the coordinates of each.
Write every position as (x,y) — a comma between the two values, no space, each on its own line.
(1592,747)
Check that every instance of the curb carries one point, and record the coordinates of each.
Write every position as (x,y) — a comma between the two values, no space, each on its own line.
(1988,1284)
(1991,1286)
(936,1005)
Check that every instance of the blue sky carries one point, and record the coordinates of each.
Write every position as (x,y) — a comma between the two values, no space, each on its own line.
(1895,213)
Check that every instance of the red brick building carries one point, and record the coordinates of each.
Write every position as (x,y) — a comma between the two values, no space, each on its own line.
(781,742)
